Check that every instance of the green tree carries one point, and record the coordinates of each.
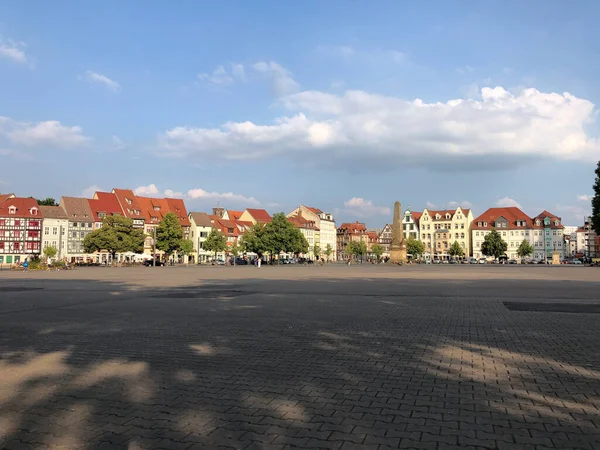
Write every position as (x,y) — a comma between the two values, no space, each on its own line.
(235,250)
(215,242)
(253,240)
(186,247)
(360,249)
(169,235)
(328,251)
(377,251)
(317,251)
(281,236)
(117,235)
(456,250)
(525,249)
(414,247)
(50,251)
(493,245)
(349,250)
(596,203)
(49,201)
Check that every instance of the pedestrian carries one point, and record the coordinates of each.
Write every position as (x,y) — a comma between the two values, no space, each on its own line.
(49,264)
(258,262)
(25,266)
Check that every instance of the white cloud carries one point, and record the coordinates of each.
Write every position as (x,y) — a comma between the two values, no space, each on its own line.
(230,197)
(218,76)
(48,133)
(13,51)
(584,198)
(359,207)
(172,194)
(430,205)
(238,71)
(506,202)
(151,189)
(98,78)
(499,130)
(572,214)
(464,205)
(89,191)
(282,80)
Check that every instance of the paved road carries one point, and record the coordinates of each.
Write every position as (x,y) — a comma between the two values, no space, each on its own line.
(301,357)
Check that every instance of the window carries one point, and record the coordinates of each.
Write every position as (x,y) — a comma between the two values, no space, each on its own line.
(12,210)
(47,230)
(537,222)
(1,245)
(462,235)
(485,224)
(477,233)
(1,233)
(75,224)
(17,246)
(34,211)
(2,222)
(17,223)
(478,224)
(54,231)
(32,234)
(29,245)
(34,223)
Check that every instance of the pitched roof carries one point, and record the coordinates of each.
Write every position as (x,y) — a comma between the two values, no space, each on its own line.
(129,203)
(104,204)
(315,210)
(148,207)
(416,215)
(512,214)
(260,215)
(177,207)
(25,208)
(77,209)
(541,216)
(235,215)
(355,227)
(4,197)
(225,225)
(53,212)
(300,221)
(201,219)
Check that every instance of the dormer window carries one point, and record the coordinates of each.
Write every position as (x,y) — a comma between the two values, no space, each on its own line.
(12,209)
(34,211)
(157,208)
(437,216)
(556,222)
(478,224)
(537,222)
(128,201)
(485,224)
(447,216)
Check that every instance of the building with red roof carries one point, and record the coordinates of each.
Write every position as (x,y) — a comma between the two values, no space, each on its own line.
(255,216)
(350,232)
(310,231)
(20,229)
(104,204)
(130,206)
(325,222)
(439,229)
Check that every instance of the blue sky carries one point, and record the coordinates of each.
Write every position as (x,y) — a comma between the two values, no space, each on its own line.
(344,105)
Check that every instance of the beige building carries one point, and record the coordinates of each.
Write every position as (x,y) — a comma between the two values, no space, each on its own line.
(200,227)
(324,223)
(54,230)
(439,229)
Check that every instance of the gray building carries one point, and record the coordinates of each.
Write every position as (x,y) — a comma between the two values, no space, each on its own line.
(81,223)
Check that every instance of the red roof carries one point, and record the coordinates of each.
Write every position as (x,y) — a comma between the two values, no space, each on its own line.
(260,215)
(541,216)
(353,227)
(301,222)
(225,226)
(177,206)
(235,215)
(106,203)
(149,210)
(4,197)
(315,210)
(512,214)
(24,208)
(129,203)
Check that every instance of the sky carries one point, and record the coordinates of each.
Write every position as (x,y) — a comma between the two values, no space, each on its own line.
(344,105)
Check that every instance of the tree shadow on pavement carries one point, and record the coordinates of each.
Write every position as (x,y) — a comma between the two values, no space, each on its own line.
(290,363)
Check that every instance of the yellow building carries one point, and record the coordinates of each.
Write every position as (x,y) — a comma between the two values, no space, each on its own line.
(439,229)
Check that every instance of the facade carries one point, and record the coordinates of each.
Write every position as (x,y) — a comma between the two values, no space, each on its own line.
(54,230)
(130,206)
(81,223)
(547,235)
(440,229)
(325,223)
(385,239)
(350,232)
(410,224)
(20,229)
(254,215)
(513,225)
(309,230)
(200,227)
(587,241)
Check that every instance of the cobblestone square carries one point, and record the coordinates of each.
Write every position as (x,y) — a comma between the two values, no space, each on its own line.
(335,357)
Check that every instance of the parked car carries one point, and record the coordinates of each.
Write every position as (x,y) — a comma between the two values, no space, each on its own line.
(218,262)
(482,261)
(512,261)
(150,263)
(238,262)
(577,262)
(473,261)
(453,261)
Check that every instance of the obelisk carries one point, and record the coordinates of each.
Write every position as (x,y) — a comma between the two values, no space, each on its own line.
(398,248)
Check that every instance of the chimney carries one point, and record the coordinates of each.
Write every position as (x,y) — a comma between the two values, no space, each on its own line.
(219,212)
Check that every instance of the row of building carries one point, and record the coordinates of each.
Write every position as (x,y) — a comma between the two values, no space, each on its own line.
(26,228)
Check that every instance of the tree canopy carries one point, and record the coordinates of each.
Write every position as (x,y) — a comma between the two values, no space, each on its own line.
(356,249)
(253,240)
(493,245)
(525,249)
(186,247)
(117,235)
(328,251)
(414,247)
(169,234)
(215,242)
(281,236)
(456,250)
(596,203)
(50,251)
(48,201)
(377,251)
(316,251)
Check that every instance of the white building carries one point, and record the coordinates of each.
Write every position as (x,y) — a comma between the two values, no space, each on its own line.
(440,229)
(199,230)
(54,230)
(410,224)
(325,223)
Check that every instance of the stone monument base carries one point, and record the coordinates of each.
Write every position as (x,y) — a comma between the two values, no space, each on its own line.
(555,258)
(398,256)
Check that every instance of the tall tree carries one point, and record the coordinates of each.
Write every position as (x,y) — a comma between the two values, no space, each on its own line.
(186,247)
(317,251)
(414,247)
(169,235)
(377,251)
(525,249)
(349,250)
(596,203)
(493,245)
(456,250)
(328,251)
(253,240)
(360,249)
(281,236)
(49,201)
(117,235)
(215,242)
